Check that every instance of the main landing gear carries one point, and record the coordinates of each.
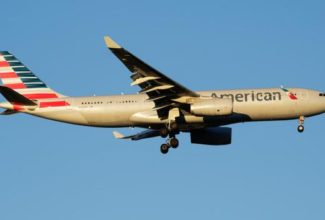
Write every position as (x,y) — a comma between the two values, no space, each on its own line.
(301,127)
(172,141)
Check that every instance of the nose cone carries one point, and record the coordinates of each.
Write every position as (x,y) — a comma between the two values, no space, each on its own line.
(322,101)
(314,103)
(323,105)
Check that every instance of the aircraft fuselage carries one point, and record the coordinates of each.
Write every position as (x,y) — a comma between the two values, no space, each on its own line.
(136,111)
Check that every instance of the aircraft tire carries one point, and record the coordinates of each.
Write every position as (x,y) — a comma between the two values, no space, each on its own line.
(164,132)
(301,128)
(164,148)
(174,143)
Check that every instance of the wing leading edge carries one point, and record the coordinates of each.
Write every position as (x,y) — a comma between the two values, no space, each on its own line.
(162,90)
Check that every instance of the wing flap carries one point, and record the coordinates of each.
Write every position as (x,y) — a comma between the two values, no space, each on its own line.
(144,80)
(156,88)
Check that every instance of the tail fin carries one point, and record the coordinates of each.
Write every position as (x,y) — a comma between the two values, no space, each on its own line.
(16,76)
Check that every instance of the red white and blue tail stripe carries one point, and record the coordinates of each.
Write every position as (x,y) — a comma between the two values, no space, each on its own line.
(15,75)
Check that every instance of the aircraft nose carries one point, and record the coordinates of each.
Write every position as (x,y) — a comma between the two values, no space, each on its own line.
(322,96)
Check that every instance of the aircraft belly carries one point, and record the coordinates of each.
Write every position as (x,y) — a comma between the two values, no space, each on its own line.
(61,114)
(111,116)
(145,117)
(106,117)
(267,111)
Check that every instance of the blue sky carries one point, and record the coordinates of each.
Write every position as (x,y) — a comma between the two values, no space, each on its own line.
(57,171)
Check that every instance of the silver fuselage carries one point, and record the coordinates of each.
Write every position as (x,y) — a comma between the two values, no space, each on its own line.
(136,111)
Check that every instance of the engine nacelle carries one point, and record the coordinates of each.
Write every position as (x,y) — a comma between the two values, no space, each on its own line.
(211,136)
(212,107)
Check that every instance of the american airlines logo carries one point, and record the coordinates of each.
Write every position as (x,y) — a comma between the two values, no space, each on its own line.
(251,97)
(289,94)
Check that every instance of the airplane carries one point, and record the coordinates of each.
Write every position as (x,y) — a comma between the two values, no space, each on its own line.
(163,107)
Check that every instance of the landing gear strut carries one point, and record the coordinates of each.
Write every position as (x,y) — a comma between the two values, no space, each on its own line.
(301,127)
(173,127)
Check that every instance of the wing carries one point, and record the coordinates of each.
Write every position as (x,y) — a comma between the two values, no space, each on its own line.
(163,91)
(142,135)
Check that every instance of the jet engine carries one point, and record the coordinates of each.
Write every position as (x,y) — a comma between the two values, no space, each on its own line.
(211,136)
(212,107)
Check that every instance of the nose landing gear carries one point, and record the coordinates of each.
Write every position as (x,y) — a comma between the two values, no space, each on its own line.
(301,127)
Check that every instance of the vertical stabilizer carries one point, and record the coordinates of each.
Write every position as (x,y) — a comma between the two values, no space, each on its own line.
(16,76)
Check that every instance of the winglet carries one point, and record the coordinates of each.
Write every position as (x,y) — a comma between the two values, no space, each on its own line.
(118,135)
(110,43)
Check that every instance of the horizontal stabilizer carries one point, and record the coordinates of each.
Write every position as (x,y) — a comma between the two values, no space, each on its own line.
(14,97)
(8,112)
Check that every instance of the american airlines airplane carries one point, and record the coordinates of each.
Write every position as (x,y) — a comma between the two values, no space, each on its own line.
(162,107)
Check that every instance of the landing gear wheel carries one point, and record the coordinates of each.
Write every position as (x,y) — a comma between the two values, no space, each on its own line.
(301,128)
(174,142)
(164,132)
(164,148)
